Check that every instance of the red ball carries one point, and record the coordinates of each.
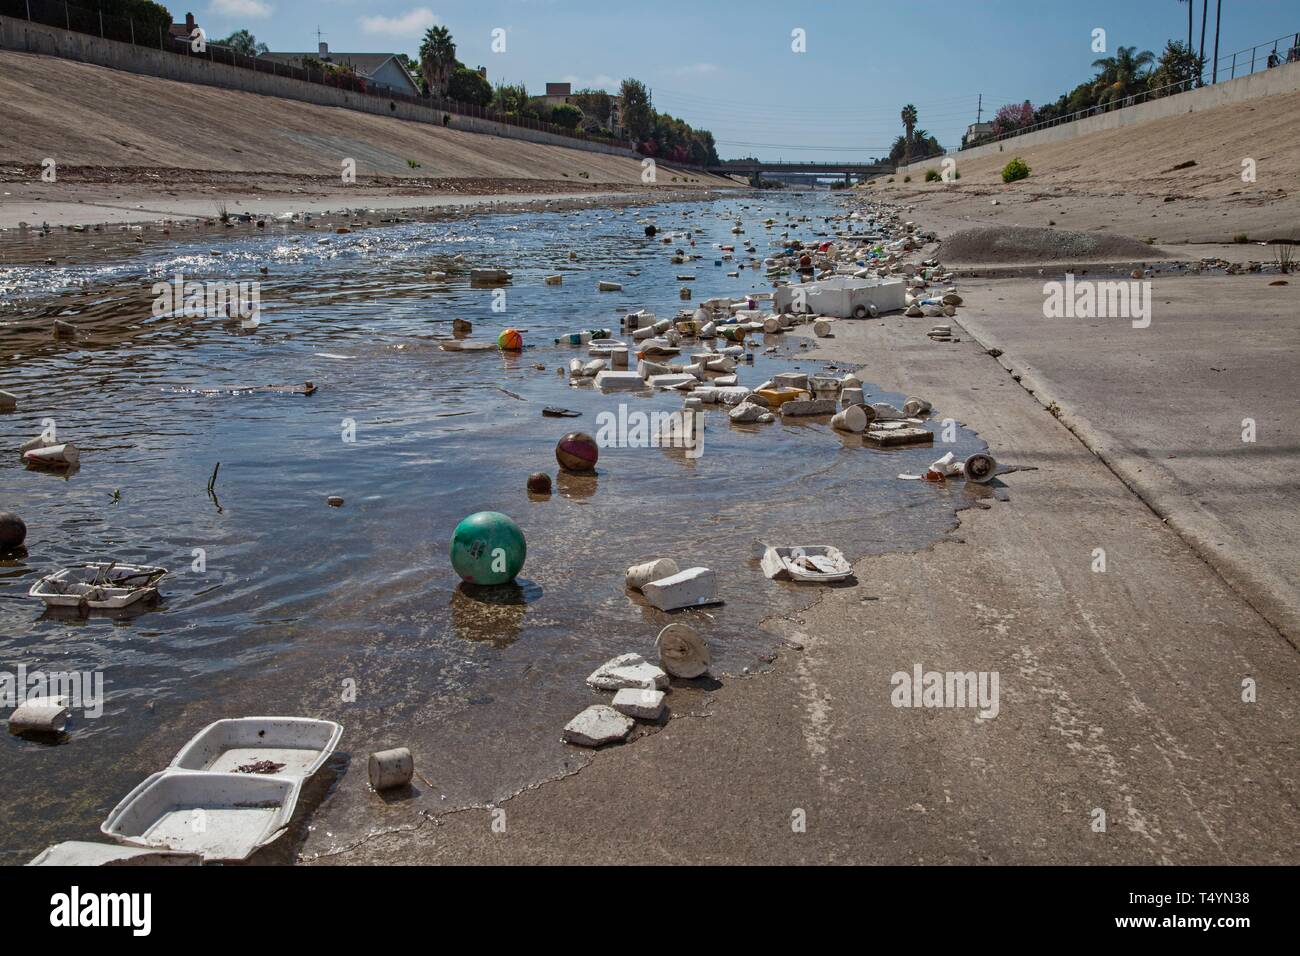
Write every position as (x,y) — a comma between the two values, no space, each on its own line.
(577,451)
(539,483)
(13,532)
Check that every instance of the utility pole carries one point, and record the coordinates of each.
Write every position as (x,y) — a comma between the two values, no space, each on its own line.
(1205,13)
(1218,19)
(979,110)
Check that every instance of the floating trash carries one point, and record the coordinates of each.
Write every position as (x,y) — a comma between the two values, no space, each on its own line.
(98,586)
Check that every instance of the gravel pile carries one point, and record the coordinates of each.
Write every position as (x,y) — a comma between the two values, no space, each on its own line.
(1017,244)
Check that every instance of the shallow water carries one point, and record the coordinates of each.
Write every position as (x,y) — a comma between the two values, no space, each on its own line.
(299,603)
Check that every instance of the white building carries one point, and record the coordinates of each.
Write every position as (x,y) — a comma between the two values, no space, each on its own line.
(379,70)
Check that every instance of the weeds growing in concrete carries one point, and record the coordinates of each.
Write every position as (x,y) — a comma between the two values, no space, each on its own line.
(1284,256)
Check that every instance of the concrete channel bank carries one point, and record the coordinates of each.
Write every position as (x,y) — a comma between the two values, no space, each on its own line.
(29,37)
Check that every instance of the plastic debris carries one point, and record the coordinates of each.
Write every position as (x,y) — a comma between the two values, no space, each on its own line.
(389,769)
(690,588)
(597,725)
(682,651)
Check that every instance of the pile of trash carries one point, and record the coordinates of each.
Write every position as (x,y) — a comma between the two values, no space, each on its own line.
(639,687)
(228,792)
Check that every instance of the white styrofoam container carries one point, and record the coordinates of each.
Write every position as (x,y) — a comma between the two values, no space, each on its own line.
(302,744)
(220,816)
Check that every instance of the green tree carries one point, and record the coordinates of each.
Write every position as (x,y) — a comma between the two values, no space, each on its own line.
(152,20)
(1179,66)
(1123,74)
(638,117)
(241,41)
(469,86)
(595,104)
(513,100)
(437,58)
(908,116)
(566,115)
(923,146)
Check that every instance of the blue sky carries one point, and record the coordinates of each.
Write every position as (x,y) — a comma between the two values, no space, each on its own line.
(729,66)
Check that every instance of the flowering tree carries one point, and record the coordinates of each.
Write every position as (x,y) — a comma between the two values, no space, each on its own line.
(1012,117)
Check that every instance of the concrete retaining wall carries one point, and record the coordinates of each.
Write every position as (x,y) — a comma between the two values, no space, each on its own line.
(1280,79)
(30,37)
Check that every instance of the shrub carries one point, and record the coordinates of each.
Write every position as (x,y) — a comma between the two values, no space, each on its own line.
(907,179)
(932,175)
(566,116)
(1014,170)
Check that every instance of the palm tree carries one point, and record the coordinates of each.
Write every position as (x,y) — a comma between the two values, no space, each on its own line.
(909,124)
(1190,4)
(1218,18)
(1205,13)
(437,57)
(1121,74)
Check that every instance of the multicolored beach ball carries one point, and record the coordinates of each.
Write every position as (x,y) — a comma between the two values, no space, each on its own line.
(577,451)
(510,341)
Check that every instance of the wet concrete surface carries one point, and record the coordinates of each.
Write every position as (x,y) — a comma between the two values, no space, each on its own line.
(1121,693)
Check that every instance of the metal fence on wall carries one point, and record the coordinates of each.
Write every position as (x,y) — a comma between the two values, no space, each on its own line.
(155,36)
(1230,66)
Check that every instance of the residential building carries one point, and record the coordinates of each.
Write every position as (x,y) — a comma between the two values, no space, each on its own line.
(379,70)
(557,94)
(976,131)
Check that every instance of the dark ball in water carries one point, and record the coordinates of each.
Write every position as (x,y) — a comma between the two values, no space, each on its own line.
(650,230)
(577,451)
(539,483)
(13,531)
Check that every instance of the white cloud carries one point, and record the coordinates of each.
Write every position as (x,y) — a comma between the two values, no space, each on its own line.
(601,81)
(241,8)
(696,69)
(408,25)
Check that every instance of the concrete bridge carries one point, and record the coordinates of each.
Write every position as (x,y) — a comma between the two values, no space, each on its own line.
(755,169)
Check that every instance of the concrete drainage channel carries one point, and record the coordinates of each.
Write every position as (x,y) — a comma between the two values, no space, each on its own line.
(1171,505)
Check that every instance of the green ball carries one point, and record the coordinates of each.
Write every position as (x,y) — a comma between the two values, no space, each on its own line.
(488,548)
